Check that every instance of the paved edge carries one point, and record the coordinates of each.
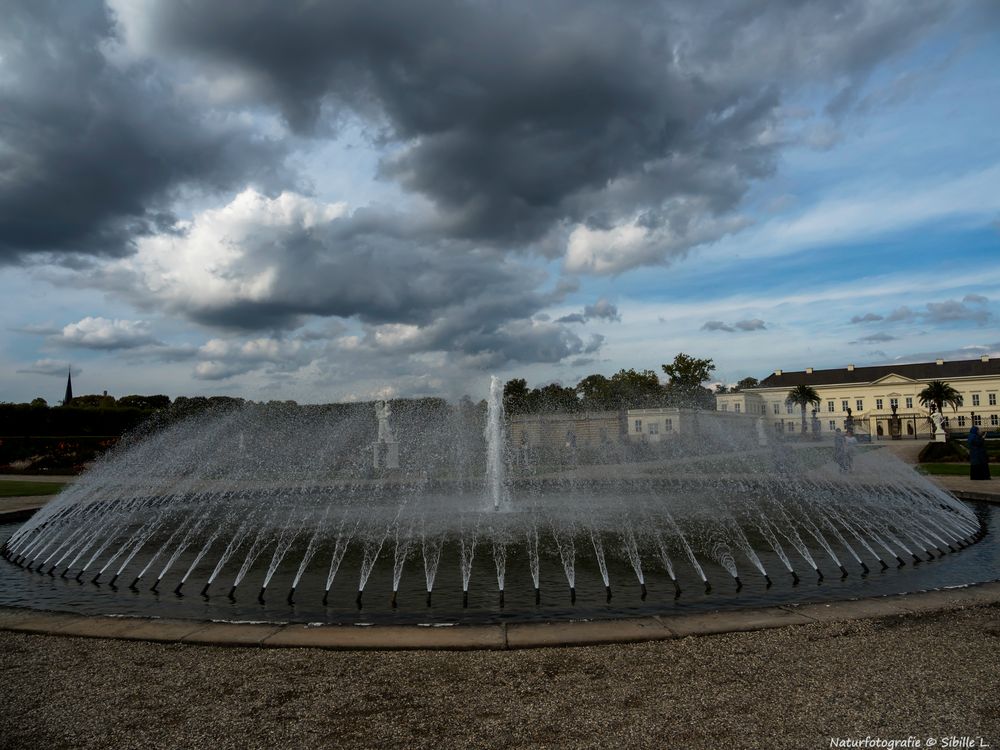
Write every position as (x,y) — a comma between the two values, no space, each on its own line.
(490,637)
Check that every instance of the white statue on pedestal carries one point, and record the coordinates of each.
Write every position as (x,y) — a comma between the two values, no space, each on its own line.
(761,432)
(382,413)
(386,449)
(940,436)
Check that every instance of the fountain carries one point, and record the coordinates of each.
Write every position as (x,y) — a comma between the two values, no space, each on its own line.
(267,496)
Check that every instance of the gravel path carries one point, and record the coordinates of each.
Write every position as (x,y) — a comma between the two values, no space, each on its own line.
(930,675)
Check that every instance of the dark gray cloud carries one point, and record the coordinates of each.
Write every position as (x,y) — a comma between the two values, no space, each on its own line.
(900,315)
(875,338)
(602,309)
(58,367)
(92,154)
(952,310)
(972,351)
(514,119)
(717,325)
(866,318)
(752,324)
(972,308)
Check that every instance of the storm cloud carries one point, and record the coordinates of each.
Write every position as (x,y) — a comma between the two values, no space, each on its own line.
(518,121)
(160,151)
(92,154)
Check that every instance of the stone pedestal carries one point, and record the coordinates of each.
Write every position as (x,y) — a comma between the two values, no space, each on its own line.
(386,455)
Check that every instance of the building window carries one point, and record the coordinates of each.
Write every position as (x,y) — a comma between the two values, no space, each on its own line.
(843,405)
(945,422)
(859,405)
(829,405)
(668,425)
(638,425)
(791,427)
(909,402)
(654,428)
(994,420)
(975,399)
(789,408)
(833,425)
(736,408)
(961,421)
(893,403)
(725,407)
(977,420)
(777,408)
(878,404)
(992,399)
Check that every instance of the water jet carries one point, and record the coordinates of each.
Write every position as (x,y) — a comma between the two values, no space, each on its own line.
(302,501)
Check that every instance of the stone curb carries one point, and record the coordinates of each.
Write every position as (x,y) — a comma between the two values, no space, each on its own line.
(489,637)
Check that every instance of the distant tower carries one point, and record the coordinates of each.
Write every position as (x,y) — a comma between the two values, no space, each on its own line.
(69,388)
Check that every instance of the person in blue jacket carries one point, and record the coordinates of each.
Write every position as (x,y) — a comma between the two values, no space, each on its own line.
(979,460)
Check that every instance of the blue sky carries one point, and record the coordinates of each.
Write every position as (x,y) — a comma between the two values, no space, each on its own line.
(340,249)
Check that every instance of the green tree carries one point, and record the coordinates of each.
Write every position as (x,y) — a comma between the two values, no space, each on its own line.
(516,396)
(94,401)
(803,396)
(635,389)
(144,402)
(939,393)
(39,403)
(555,398)
(745,384)
(684,378)
(596,393)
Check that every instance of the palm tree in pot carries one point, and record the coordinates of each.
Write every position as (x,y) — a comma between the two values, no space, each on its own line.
(939,393)
(803,396)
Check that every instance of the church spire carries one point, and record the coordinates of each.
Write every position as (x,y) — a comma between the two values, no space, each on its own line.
(69,387)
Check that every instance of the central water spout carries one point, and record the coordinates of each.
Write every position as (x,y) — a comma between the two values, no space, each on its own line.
(495,443)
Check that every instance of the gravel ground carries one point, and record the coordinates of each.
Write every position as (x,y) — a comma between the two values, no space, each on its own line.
(891,678)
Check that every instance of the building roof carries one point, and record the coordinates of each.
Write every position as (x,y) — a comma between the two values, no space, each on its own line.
(940,370)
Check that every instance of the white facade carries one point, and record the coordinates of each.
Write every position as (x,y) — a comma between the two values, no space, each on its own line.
(870,402)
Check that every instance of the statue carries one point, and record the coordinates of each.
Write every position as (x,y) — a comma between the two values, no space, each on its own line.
(895,425)
(761,432)
(849,421)
(940,436)
(386,449)
(382,413)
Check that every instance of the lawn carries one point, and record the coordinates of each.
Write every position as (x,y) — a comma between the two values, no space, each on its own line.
(16,488)
(951,470)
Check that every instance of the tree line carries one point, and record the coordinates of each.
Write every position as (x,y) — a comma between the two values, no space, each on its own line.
(626,389)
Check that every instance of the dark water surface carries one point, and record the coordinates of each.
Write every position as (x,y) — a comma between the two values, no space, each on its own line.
(975,564)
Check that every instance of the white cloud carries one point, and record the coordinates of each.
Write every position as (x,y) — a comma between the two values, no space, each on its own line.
(226,358)
(631,245)
(223,256)
(102,333)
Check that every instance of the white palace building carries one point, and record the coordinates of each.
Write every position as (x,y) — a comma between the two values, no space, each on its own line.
(870,394)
